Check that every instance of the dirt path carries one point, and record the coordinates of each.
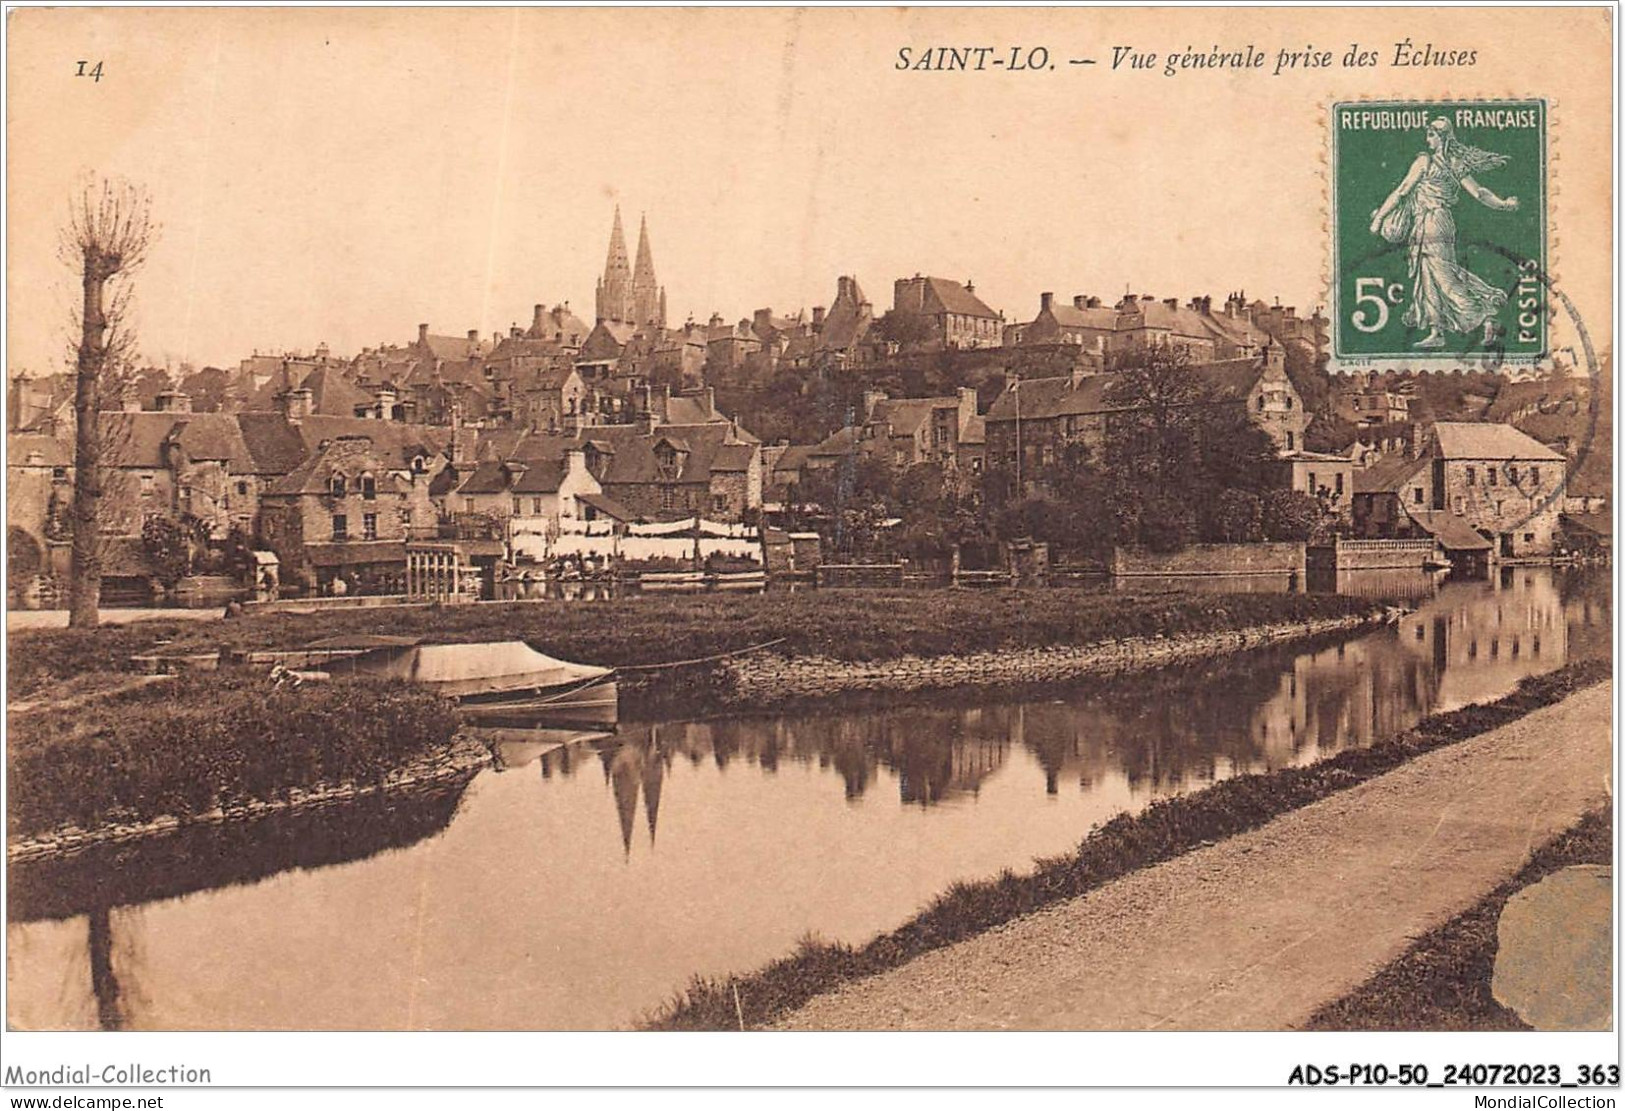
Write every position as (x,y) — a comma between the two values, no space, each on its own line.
(1256,932)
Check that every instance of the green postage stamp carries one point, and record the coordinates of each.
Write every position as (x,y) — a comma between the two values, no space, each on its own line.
(1439,230)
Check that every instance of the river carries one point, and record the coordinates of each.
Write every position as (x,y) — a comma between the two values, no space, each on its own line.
(581,887)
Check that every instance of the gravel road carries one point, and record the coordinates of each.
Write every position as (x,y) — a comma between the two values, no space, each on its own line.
(1256,932)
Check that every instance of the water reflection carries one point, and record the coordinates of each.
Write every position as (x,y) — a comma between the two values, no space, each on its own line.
(591,876)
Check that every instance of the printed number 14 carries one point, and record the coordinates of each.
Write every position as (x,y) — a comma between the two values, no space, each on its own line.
(1370,290)
(94,73)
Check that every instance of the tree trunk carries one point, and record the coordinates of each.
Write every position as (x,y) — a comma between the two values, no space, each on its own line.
(85,564)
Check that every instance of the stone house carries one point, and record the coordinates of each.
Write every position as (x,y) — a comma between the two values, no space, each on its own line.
(907,431)
(347,511)
(949,314)
(546,488)
(1503,483)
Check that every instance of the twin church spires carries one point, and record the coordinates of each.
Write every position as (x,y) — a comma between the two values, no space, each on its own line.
(626,293)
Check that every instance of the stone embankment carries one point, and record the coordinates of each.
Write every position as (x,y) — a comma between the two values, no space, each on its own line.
(461,759)
(766,678)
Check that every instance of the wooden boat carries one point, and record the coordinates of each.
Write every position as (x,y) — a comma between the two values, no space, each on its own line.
(509,677)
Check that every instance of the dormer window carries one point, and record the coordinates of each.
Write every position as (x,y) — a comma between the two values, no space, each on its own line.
(420,463)
(335,486)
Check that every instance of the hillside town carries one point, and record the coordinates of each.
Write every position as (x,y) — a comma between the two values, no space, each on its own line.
(934,434)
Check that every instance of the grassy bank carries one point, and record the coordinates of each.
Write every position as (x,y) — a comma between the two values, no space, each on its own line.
(844,625)
(209,741)
(1442,982)
(1126,843)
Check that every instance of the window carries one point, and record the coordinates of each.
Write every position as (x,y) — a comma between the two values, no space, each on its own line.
(369,526)
(668,497)
(1260,403)
(146,484)
(1291,442)
(341,527)
(59,474)
(1491,475)
(335,486)
(468,505)
(1338,484)
(1313,488)
(719,503)
(518,507)
(1512,473)
(1289,402)
(369,487)
(1534,476)
(1528,538)
(975,465)
(1472,475)
(1416,495)
(536,506)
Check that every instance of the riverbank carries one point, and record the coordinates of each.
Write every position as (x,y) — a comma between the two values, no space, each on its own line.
(1442,982)
(647,635)
(202,748)
(1128,844)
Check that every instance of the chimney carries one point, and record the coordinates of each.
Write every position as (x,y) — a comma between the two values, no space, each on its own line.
(871,398)
(297,404)
(1080,302)
(1046,302)
(575,462)
(716,320)
(967,405)
(423,333)
(473,337)
(174,401)
(1092,303)
(970,286)
(818,317)
(515,332)
(1171,302)
(762,321)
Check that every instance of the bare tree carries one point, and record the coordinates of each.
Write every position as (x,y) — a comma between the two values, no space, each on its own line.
(106,238)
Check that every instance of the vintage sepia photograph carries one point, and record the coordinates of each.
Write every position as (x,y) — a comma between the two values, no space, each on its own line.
(827,519)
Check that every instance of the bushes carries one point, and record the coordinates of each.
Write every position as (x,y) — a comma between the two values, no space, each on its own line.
(1290,515)
(204,741)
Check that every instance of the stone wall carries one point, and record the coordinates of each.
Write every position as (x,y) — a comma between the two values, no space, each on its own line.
(1371,555)
(764,679)
(1269,558)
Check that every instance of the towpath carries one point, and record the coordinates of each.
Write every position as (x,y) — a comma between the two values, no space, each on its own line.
(1259,930)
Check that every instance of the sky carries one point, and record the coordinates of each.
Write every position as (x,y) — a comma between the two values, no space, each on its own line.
(339,176)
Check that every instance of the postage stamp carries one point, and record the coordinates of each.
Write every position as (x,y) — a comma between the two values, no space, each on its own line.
(1439,230)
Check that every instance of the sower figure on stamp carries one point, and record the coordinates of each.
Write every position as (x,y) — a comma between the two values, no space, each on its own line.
(1445,296)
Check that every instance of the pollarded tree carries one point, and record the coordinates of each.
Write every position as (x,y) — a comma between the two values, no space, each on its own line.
(105,239)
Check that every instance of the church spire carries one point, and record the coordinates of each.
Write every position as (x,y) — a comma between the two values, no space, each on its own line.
(616,286)
(648,299)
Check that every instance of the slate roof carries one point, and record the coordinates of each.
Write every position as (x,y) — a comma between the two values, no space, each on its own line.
(941,295)
(52,452)
(1041,398)
(607,506)
(1387,476)
(137,439)
(451,347)
(1101,317)
(1452,532)
(1461,440)
(314,475)
(907,414)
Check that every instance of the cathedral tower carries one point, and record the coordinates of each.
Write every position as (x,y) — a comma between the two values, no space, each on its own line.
(648,299)
(615,287)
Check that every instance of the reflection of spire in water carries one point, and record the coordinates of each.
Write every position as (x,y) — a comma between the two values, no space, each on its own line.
(654,773)
(624,782)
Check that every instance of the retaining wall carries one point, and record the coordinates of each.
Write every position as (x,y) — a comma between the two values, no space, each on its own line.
(766,679)
(1267,558)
